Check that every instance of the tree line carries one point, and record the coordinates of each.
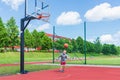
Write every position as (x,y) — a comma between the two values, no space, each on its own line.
(9,33)
(77,45)
(10,37)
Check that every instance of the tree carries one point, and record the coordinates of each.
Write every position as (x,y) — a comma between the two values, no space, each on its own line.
(70,46)
(74,44)
(3,35)
(118,49)
(90,47)
(13,32)
(46,42)
(106,49)
(41,40)
(113,49)
(109,49)
(28,39)
(79,42)
(98,45)
(36,39)
(59,44)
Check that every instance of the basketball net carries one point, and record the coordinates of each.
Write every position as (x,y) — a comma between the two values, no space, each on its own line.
(43,16)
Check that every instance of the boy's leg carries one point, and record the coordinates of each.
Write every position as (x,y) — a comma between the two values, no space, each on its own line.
(63,67)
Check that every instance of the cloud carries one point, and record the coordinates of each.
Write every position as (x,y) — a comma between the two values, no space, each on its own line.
(91,40)
(103,11)
(43,27)
(13,3)
(69,18)
(111,38)
(107,38)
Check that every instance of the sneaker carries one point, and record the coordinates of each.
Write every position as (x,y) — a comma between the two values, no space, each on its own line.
(61,70)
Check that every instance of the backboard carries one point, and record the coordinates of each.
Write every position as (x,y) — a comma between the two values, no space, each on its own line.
(38,9)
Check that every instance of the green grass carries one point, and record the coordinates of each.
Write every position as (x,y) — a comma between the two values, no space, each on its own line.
(14,57)
(105,60)
(99,60)
(9,57)
(15,69)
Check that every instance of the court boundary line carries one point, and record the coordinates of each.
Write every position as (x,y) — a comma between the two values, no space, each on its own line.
(80,65)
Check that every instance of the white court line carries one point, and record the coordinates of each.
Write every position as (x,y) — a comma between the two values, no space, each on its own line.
(106,66)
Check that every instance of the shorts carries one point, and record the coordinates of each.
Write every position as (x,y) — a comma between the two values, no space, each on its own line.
(63,63)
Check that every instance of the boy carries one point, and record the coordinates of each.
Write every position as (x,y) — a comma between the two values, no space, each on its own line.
(63,58)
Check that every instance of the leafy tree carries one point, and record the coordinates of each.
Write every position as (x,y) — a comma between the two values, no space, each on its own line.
(28,39)
(113,49)
(98,45)
(13,32)
(36,39)
(118,49)
(46,42)
(109,49)
(79,42)
(106,49)
(41,40)
(90,47)
(59,44)
(74,44)
(3,35)
(70,46)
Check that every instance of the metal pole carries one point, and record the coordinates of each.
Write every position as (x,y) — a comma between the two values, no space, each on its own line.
(25,7)
(35,7)
(53,42)
(22,71)
(22,48)
(85,41)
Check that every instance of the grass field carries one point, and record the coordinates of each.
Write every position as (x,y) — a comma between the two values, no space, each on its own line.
(14,57)
(105,60)
(15,69)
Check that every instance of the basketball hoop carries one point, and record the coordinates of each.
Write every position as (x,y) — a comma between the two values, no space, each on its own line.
(33,14)
(43,16)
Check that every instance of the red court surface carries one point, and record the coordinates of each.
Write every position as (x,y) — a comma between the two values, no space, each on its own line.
(71,73)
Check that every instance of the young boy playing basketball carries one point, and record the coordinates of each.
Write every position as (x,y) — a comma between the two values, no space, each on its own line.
(63,58)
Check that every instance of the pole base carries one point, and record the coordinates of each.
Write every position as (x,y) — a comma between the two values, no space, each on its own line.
(24,72)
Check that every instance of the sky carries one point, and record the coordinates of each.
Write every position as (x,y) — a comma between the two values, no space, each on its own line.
(102,18)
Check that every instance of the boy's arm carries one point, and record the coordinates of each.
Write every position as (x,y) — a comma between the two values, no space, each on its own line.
(60,55)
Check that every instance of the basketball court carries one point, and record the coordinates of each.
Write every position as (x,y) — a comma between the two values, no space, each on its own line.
(71,73)
(41,12)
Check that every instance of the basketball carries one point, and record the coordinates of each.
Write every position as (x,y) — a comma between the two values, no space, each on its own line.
(65,45)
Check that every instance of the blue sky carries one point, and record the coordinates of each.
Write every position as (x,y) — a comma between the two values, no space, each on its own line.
(102,17)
